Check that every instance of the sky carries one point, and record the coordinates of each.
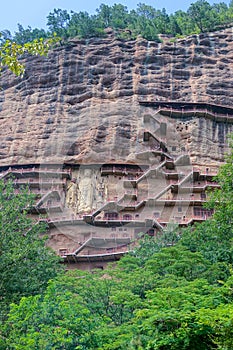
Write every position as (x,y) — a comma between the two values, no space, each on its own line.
(34,13)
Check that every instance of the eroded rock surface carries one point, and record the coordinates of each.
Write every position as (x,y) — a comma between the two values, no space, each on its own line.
(105,166)
(80,104)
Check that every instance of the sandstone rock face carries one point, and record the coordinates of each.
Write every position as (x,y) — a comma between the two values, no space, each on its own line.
(95,132)
(80,104)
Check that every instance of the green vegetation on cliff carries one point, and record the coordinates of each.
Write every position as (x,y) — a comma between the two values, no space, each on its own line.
(145,20)
(176,296)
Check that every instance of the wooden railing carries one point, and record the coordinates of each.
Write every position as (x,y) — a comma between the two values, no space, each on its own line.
(207,109)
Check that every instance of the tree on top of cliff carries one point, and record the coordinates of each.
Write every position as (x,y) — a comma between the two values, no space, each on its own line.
(145,20)
(201,14)
(58,21)
(23,36)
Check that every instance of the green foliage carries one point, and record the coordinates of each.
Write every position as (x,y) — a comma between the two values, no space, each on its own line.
(58,21)
(105,311)
(84,26)
(201,15)
(59,320)
(149,246)
(182,24)
(214,237)
(10,51)
(24,36)
(26,264)
(145,20)
(179,262)
(120,17)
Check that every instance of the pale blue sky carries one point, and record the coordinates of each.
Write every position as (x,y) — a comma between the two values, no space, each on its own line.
(33,13)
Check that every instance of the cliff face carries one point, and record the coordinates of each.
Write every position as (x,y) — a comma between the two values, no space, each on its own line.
(81,103)
(141,127)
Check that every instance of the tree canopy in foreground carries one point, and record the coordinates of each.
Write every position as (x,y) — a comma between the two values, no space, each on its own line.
(26,264)
(11,51)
